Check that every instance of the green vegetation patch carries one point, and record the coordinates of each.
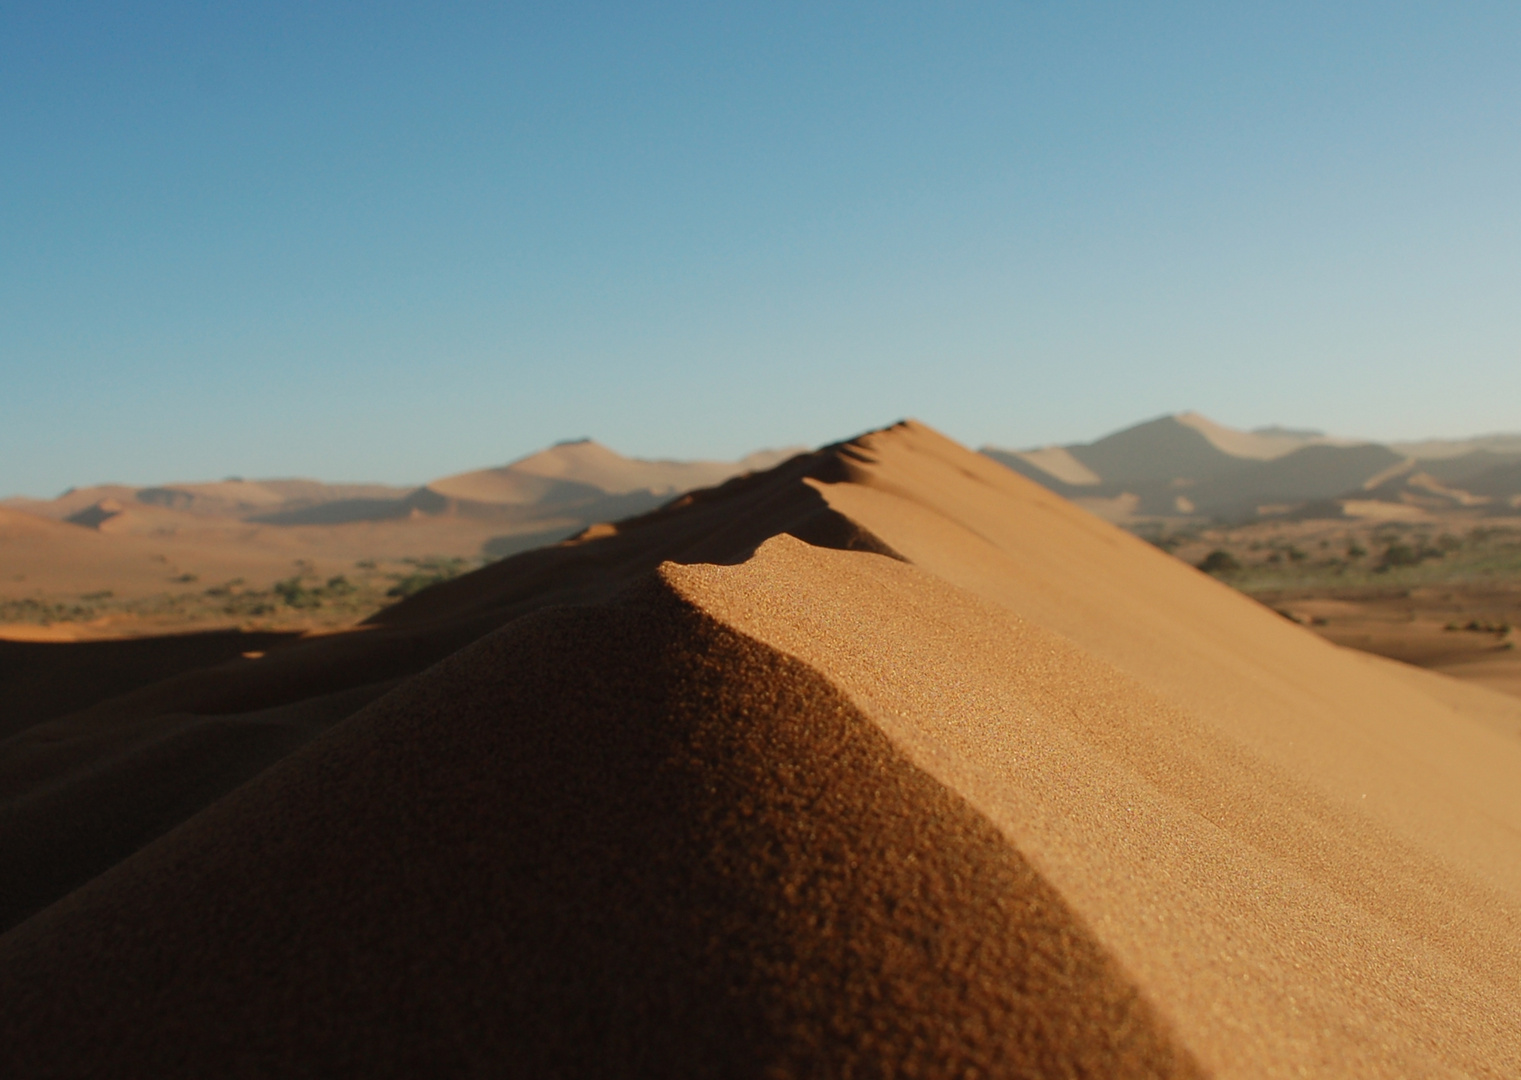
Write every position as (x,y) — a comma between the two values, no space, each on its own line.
(303,599)
(426,573)
(1219,561)
(1255,559)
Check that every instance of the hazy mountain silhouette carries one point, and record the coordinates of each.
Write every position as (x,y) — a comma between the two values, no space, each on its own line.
(1188,465)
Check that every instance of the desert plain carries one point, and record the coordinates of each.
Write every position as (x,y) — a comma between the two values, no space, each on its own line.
(112,560)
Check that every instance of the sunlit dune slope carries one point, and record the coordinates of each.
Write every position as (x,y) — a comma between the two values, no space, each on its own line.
(884,762)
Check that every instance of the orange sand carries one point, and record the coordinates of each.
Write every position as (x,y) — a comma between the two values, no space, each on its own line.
(953,780)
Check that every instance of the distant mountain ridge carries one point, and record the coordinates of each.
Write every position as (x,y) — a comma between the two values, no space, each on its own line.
(545,496)
(581,478)
(1181,465)
(1188,465)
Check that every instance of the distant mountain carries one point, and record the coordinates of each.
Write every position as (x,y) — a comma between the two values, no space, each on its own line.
(543,497)
(1187,465)
(1439,449)
(231,498)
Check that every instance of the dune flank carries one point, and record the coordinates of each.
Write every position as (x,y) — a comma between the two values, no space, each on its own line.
(884,762)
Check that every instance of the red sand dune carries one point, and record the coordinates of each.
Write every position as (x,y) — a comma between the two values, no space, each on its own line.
(884,762)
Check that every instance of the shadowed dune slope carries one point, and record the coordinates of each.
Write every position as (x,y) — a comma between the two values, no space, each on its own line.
(680,854)
(44,679)
(953,780)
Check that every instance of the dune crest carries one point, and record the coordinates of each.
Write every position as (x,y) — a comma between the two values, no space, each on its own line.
(884,762)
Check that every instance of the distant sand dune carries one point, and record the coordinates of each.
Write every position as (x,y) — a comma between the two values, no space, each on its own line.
(175,539)
(1187,465)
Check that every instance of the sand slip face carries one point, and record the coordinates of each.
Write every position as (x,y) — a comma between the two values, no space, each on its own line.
(969,783)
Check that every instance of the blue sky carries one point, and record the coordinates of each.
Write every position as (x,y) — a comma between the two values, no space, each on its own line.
(373,241)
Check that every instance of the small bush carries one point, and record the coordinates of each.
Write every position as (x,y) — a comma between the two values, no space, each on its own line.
(1400,555)
(297,595)
(1219,561)
(432,571)
(1501,627)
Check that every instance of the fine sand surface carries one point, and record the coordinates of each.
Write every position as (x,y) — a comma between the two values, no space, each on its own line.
(885,762)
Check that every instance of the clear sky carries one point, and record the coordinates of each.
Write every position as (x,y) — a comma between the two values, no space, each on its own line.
(384,241)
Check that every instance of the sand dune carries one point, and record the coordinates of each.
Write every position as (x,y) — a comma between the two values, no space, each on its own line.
(884,762)
(590,464)
(53,556)
(256,533)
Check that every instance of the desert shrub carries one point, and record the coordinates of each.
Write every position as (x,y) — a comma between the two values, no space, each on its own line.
(1485,627)
(1219,561)
(43,611)
(295,592)
(297,595)
(432,571)
(1399,555)
(412,583)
